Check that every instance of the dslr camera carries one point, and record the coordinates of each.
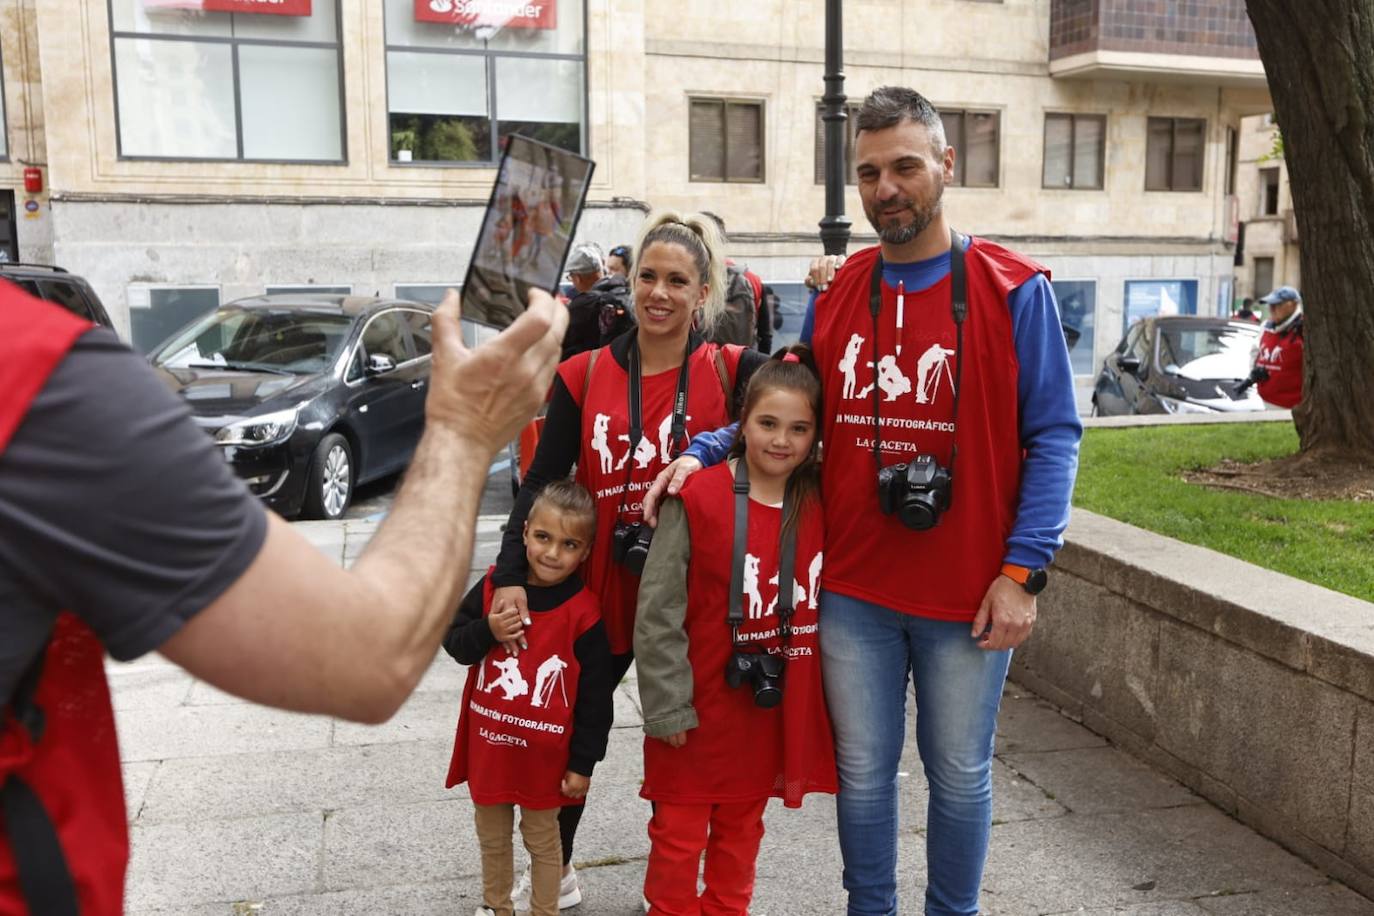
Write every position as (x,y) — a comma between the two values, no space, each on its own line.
(759,669)
(916,491)
(630,545)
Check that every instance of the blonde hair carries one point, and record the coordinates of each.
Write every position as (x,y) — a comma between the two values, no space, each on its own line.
(698,235)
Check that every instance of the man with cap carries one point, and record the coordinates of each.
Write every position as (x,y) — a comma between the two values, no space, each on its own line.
(1278,362)
(601,309)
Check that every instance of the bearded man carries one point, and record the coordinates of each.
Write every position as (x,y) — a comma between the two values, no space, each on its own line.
(932,565)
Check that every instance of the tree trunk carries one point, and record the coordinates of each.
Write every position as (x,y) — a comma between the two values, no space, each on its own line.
(1319,58)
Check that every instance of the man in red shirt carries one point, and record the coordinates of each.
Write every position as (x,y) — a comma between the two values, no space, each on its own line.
(1278,362)
(145,541)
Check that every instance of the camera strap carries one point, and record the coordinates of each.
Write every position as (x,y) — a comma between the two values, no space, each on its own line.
(679,425)
(958,306)
(787,554)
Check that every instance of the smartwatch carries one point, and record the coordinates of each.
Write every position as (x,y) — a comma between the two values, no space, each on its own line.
(1032,580)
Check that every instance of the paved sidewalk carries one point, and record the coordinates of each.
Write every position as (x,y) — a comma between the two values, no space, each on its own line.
(236,809)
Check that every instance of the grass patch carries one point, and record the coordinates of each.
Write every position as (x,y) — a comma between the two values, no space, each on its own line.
(1134,475)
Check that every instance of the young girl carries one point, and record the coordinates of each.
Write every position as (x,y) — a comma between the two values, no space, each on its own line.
(535,720)
(733,710)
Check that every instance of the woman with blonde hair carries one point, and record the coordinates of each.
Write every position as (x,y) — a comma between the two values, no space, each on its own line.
(643,395)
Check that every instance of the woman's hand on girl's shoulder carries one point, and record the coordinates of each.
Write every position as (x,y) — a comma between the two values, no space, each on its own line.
(668,483)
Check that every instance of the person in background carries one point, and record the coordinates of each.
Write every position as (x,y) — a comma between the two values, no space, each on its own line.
(743,300)
(602,309)
(1246,312)
(769,318)
(145,541)
(1278,361)
(618,261)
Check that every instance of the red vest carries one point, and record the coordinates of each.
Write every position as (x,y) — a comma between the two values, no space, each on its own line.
(1281,356)
(517,718)
(605,453)
(944,572)
(74,767)
(740,751)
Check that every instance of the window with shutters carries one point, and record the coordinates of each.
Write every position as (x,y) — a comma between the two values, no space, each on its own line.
(976,138)
(850,131)
(1074,148)
(725,140)
(1173,154)
(1269,192)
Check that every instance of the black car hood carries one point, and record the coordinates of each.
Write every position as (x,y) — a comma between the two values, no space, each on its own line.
(227,394)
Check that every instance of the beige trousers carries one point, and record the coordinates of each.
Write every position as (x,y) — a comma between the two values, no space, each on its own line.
(539,830)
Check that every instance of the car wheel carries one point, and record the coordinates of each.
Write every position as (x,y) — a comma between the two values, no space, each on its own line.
(329,489)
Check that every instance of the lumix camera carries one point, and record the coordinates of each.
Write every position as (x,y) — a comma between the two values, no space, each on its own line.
(917,491)
(762,671)
(630,545)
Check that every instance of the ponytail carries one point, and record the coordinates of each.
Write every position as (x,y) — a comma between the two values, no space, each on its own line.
(698,235)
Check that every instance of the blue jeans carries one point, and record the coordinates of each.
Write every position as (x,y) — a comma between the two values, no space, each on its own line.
(866,652)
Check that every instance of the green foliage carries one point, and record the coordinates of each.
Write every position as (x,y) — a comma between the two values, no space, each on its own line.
(1275,153)
(1135,475)
(449,141)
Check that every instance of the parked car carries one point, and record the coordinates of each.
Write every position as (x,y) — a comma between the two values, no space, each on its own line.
(1179,364)
(56,285)
(308,395)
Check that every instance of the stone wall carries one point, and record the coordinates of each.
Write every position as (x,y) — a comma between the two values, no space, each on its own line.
(1252,688)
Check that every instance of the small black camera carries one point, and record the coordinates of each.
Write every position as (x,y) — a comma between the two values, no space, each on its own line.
(917,491)
(762,671)
(631,545)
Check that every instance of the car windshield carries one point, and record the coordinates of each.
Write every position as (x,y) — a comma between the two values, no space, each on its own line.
(1206,353)
(265,340)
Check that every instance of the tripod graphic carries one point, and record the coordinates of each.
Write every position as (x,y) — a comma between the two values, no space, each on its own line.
(549,675)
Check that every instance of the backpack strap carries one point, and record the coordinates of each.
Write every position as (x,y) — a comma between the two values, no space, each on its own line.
(587,378)
(38,858)
(727,370)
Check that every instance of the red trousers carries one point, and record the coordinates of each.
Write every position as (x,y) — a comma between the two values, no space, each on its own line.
(728,834)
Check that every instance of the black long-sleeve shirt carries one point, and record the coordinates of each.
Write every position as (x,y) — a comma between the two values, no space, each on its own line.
(560,445)
(469,639)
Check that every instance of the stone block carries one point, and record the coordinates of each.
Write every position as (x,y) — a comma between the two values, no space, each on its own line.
(161,687)
(1345,658)
(1100,648)
(424,717)
(177,865)
(206,731)
(1322,900)
(1100,779)
(283,782)
(400,844)
(1029,724)
(1281,740)
(1360,847)
(1059,865)
(136,777)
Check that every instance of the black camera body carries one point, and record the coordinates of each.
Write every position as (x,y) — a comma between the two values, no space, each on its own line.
(630,545)
(760,670)
(916,491)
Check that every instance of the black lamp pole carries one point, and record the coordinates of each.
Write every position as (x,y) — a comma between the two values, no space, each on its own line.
(835,225)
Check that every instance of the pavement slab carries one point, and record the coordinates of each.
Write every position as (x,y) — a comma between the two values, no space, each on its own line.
(208,731)
(1324,900)
(1100,779)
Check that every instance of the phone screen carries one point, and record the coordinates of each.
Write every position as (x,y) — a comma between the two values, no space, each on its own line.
(527,230)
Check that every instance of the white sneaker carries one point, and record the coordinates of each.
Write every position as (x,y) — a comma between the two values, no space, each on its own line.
(569,892)
(484,911)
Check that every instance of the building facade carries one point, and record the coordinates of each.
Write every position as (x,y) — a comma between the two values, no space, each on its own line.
(193,156)
(1269,247)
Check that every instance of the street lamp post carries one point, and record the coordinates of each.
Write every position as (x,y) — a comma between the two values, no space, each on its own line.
(835,225)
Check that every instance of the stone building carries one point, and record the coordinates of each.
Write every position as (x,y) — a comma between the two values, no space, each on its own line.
(192,156)
(1269,250)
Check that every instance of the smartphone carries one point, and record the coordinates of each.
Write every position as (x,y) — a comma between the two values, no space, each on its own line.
(527,230)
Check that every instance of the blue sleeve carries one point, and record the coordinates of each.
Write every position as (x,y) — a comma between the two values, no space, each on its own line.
(711,448)
(809,321)
(1049,425)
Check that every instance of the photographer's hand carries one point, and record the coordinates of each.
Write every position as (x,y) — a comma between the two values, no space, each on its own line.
(1006,616)
(512,597)
(668,483)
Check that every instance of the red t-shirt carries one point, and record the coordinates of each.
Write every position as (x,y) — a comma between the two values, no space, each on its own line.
(943,572)
(740,751)
(606,452)
(1281,356)
(516,723)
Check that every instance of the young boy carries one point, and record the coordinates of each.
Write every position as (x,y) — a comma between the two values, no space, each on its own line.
(536,710)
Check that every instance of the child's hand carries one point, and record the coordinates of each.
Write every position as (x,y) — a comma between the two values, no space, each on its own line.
(674,740)
(575,785)
(507,625)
